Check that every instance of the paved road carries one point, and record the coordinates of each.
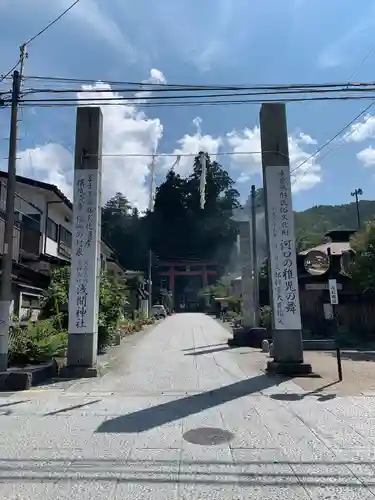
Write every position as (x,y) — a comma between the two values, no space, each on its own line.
(126,435)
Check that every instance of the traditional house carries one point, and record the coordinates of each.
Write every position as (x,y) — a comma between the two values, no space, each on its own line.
(42,238)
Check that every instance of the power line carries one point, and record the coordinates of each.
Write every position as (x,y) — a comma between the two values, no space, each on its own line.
(174,155)
(133,87)
(333,138)
(56,103)
(3,77)
(54,21)
(194,86)
(184,96)
(24,45)
(370,52)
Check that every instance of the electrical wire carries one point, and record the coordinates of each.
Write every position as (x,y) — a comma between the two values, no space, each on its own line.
(4,77)
(175,155)
(56,103)
(333,138)
(30,40)
(194,86)
(54,21)
(184,96)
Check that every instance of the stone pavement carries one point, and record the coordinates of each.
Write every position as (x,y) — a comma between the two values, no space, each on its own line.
(130,434)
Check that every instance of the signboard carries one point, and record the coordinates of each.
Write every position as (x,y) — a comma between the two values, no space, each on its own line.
(321,286)
(333,295)
(85,267)
(283,260)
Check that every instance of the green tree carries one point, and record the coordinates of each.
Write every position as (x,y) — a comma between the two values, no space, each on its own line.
(126,232)
(181,229)
(363,268)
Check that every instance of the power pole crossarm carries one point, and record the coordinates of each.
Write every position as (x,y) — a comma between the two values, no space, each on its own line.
(7,260)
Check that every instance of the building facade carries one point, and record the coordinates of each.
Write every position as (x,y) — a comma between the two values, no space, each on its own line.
(42,239)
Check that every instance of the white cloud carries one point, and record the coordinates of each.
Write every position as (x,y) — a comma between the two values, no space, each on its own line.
(126,130)
(129,131)
(248,140)
(156,77)
(90,15)
(305,139)
(367,157)
(362,130)
(191,145)
(50,163)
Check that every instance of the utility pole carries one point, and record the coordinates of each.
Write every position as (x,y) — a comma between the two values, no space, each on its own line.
(151,209)
(7,261)
(356,193)
(149,283)
(255,258)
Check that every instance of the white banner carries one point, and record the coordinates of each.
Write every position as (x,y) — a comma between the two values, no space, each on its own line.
(283,261)
(85,266)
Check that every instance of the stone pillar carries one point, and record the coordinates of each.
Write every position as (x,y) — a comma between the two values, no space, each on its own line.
(247,275)
(282,270)
(85,265)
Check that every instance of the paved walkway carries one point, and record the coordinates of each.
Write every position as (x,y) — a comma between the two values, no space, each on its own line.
(126,435)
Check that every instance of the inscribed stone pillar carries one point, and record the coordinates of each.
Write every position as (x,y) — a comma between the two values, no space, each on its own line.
(284,292)
(86,236)
(247,274)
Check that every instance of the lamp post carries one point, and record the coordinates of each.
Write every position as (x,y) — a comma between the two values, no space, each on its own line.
(356,193)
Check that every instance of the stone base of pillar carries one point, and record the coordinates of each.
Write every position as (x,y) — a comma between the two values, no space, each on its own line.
(73,372)
(248,337)
(288,368)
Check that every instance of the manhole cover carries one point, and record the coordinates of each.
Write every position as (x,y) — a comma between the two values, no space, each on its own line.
(208,436)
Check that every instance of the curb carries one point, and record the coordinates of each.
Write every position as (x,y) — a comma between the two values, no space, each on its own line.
(21,379)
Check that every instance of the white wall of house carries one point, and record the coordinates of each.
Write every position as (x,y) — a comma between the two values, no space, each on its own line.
(53,209)
(56,223)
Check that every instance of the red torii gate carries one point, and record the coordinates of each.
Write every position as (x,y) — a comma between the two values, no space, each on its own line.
(185,269)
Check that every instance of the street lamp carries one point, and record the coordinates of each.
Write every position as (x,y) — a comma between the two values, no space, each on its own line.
(356,193)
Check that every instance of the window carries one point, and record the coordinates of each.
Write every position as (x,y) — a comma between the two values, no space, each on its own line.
(51,229)
(65,237)
(30,221)
(65,242)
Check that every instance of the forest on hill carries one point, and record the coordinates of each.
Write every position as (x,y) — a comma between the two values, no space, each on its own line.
(313,223)
(179,229)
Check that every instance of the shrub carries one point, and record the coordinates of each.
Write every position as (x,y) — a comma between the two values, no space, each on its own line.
(112,300)
(38,342)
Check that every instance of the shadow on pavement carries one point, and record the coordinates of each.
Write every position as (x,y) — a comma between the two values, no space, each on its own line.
(13,403)
(355,355)
(300,397)
(154,472)
(69,408)
(203,347)
(156,416)
(208,351)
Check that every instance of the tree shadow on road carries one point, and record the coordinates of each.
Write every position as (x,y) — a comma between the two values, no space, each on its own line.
(171,411)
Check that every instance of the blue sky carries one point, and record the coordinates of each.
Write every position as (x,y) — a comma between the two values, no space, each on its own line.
(198,42)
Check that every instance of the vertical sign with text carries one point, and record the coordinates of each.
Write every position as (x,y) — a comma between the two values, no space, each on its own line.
(333,295)
(85,266)
(283,260)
